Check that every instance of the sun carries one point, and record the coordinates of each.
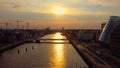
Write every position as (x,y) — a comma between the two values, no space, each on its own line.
(59,10)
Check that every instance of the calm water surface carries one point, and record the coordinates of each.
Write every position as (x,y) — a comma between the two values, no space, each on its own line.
(43,55)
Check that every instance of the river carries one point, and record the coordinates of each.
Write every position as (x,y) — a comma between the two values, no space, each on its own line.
(43,55)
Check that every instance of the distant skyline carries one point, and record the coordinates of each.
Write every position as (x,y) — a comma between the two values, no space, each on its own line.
(79,14)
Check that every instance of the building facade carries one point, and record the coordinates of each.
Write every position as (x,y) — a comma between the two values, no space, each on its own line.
(88,35)
(115,38)
(105,35)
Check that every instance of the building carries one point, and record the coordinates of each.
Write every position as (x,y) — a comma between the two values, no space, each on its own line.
(115,39)
(105,35)
(88,35)
(8,36)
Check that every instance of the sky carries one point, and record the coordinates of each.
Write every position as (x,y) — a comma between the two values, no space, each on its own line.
(78,14)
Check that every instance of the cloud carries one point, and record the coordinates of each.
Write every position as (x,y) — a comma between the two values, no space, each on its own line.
(112,3)
(76,9)
(40,6)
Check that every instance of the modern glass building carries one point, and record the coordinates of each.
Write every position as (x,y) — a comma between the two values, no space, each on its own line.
(105,35)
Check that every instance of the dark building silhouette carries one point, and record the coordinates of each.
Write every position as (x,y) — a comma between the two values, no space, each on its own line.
(88,35)
(115,38)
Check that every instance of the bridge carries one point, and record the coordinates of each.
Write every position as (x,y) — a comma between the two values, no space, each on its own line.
(51,42)
(42,40)
(48,39)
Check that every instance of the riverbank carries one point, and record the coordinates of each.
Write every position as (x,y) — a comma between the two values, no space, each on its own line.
(90,58)
(4,47)
(7,46)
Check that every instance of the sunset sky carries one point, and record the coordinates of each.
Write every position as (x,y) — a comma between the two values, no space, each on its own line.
(85,14)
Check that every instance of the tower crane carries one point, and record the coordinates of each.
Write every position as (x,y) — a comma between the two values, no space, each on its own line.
(6,24)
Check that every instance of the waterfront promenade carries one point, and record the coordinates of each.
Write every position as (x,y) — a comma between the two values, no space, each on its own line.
(91,59)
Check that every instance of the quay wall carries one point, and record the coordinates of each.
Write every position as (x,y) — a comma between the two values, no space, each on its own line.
(92,60)
(4,47)
(11,45)
(86,59)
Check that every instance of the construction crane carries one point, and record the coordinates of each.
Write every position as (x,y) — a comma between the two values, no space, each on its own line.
(27,25)
(6,24)
(18,24)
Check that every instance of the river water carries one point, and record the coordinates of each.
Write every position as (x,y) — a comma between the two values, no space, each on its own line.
(43,55)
